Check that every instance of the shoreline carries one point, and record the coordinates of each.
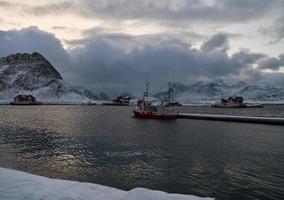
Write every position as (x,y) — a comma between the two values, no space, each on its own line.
(17,185)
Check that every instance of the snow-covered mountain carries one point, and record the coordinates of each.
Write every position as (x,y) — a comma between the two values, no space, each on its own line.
(33,74)
(214,90)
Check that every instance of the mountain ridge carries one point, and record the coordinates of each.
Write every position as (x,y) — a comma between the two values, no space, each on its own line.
(217,89)
(24,73)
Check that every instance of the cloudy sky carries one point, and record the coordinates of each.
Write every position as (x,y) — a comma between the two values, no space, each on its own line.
(110,45)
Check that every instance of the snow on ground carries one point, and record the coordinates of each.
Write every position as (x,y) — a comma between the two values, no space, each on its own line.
(16,185)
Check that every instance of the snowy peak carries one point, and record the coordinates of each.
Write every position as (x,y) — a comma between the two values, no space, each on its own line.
(34,74)
(26,72)
(35,61)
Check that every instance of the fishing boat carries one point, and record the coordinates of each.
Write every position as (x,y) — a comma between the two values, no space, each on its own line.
(235,102)
(144,108)
(230,102)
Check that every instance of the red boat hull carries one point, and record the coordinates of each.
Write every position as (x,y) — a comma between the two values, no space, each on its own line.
(152,115)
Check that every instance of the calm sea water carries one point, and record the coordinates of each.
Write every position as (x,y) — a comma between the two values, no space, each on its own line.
(106,145)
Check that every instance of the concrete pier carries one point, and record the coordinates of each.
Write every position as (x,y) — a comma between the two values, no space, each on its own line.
(229,118)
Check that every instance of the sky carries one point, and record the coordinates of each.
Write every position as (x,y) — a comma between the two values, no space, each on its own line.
(110,45)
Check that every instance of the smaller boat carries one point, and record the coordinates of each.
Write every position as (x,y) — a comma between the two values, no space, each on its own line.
(230,102)
(235,102)
(25,100)
(146,109)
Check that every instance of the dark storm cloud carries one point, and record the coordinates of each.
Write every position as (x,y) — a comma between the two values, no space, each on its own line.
(128,42)
(105,64)
(272,63)
(218,42)
(245,57)
(101,62)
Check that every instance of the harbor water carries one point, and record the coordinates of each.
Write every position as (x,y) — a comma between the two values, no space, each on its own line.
(106,145)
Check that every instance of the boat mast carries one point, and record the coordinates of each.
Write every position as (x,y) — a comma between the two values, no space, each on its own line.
(169,91)
(147,86)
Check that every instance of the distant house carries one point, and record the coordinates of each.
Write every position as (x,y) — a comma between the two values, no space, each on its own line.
(122,100)
(25,100)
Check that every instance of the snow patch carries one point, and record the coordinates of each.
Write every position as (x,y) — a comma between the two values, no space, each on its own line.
(16,185)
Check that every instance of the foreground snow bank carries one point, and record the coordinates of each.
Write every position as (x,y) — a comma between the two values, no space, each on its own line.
(15,185)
